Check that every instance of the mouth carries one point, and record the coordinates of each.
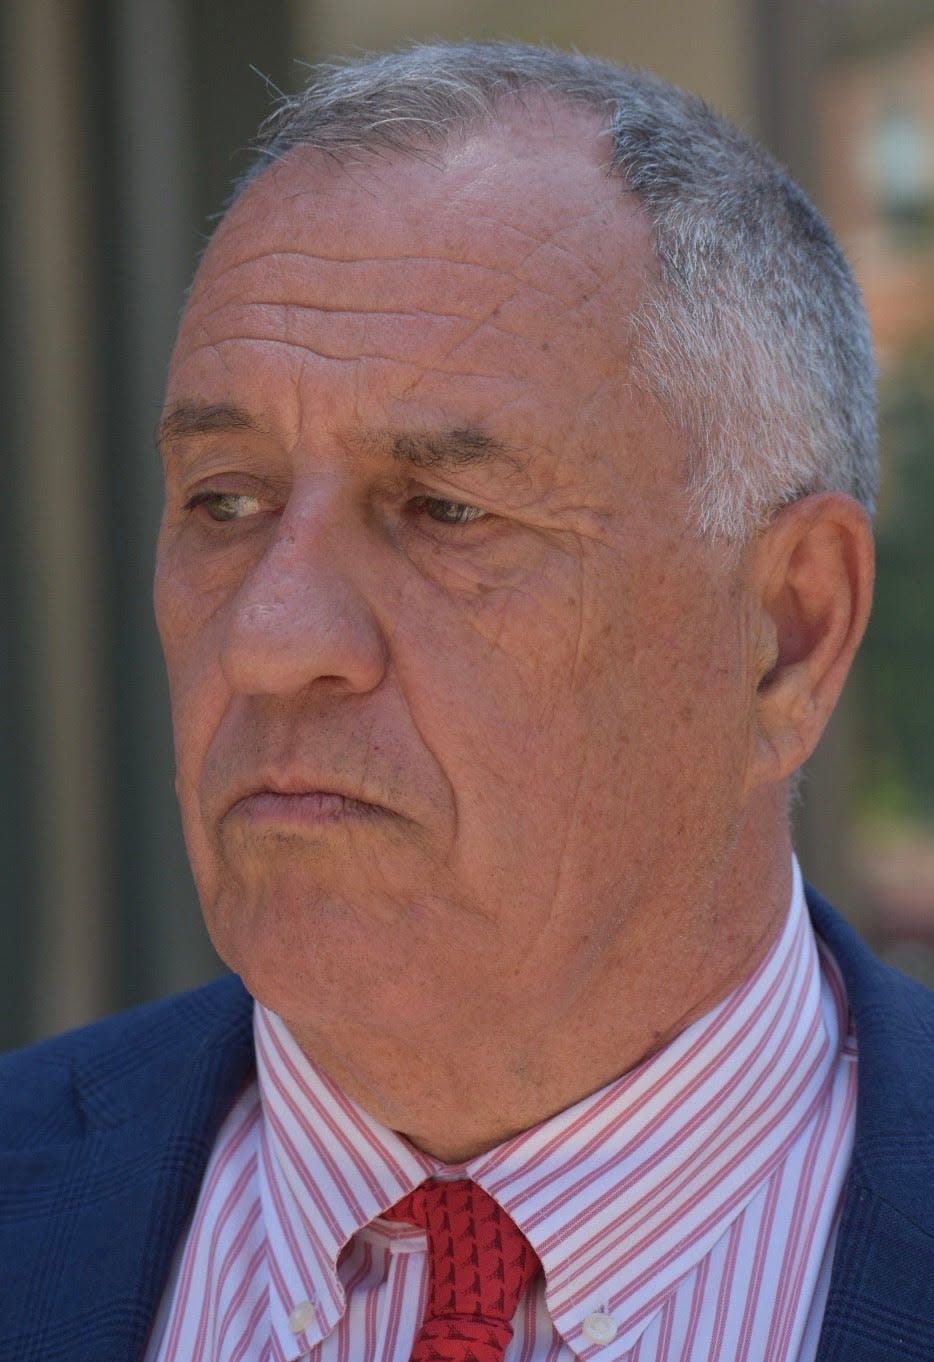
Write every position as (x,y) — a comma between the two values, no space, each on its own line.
(301,809)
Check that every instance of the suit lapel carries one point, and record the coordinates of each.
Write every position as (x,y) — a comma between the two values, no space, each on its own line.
(113,1204)
(880,1307)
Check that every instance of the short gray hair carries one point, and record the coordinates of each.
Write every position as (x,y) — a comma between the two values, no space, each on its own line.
(756,340)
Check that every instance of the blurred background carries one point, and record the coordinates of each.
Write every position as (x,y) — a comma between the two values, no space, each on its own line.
(123,123)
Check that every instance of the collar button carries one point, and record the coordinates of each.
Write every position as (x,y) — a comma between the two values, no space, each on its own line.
(599,1328)
(301,1317)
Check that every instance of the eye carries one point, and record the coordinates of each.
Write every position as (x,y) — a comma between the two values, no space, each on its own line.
(448,512)
(223,506)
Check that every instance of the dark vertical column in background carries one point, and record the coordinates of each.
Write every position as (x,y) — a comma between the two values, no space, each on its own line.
(57,786)
(789,43)
(17,852)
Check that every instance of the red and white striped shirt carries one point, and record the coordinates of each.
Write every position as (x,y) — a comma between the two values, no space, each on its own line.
(684,1213)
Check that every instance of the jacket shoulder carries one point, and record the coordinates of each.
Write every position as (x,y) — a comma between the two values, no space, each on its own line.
(894,1022)
(104,1072)
(884,1001)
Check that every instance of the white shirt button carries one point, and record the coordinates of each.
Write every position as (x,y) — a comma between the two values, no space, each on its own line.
(599,1327)
(301,1316)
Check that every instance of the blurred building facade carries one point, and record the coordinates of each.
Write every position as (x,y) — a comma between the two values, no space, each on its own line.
(123,123)
(876,120)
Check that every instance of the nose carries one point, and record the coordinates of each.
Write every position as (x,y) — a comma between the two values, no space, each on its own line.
(302,615)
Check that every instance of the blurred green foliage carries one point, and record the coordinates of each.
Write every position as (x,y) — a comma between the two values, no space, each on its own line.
(896,670)
(869,27)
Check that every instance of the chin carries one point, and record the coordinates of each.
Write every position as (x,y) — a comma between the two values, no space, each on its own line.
(291,945)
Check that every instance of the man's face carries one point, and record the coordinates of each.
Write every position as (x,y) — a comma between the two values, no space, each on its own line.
(461,703)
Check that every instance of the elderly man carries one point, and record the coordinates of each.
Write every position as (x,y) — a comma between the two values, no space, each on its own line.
(518,451)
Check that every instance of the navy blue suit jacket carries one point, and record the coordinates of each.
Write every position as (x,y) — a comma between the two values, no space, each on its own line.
(104,1135)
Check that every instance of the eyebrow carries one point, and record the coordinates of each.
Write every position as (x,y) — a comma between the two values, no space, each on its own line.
(204,418)
(455,447)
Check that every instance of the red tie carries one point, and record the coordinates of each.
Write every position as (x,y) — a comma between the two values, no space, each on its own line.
(479,1264)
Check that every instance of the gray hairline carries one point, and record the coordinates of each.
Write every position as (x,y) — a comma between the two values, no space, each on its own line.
(755,338)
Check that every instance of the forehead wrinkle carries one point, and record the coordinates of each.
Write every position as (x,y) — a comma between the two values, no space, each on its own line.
(305,352)
(410,287)
(401,259)
(331,311)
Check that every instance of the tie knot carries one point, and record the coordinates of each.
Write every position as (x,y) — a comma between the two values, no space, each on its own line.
(479,1261)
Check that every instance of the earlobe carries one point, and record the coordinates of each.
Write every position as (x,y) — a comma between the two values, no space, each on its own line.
(813,574)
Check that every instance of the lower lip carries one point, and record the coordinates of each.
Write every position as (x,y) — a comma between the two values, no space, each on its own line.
(303,810)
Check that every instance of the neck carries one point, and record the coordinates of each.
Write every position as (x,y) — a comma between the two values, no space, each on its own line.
(528,1060)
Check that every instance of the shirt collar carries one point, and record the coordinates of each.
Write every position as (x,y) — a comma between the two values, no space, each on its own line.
(620,1194)
(327,1169)
(627,1190)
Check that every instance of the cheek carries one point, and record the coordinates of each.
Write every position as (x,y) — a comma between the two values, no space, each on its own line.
(188,597)
(487,681)
(507,722)
(688,734)
(659,689)
(199,696)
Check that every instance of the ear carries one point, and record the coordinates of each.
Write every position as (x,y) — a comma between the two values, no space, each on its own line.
(812,573)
